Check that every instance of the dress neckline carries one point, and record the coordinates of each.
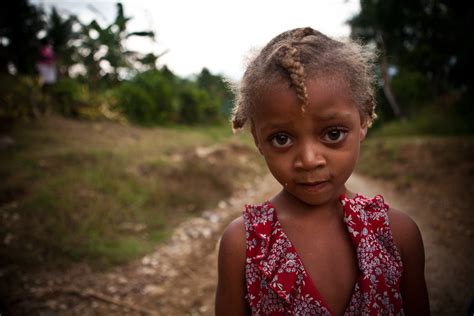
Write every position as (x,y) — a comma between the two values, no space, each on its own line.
(314,290)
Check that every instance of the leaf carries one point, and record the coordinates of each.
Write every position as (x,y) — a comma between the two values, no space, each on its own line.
(142,33)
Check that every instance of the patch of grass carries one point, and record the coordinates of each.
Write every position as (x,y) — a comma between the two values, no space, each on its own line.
(108,252)
(408,160)
(378,157)
(432,120)
(106,193)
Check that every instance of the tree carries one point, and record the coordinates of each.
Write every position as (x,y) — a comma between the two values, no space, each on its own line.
(108,45)
(215,85)
(61,32)
(20,22)
(426,36)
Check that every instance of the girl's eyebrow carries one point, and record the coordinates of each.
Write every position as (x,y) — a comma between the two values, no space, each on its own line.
(322,118)
(274,125)
(333,116)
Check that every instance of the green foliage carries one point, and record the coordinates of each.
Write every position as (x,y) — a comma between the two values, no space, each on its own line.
(67,96)
(111,42)
(148,99)
(159,97)
(61,33)
(20,96)
(216,86)
(161,87)
(412,89)
(379,158)
(20,22)
(422,36)
(136,104)
(148,96)
(428,45)
(196,106)
(433,119)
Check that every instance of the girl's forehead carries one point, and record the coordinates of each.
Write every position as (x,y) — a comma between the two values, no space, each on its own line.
(327,100)
(327,90)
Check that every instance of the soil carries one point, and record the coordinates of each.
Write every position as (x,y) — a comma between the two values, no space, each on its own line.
(179,277)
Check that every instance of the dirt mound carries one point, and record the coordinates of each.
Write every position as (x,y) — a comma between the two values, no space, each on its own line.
(178,278)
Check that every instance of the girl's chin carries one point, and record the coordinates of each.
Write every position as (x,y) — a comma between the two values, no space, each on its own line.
(311,196)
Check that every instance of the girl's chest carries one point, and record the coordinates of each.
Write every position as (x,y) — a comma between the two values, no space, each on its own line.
(330,261)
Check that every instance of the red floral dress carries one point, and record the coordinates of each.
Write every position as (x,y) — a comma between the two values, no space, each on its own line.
(278,284)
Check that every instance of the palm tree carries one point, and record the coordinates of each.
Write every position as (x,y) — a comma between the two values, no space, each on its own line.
(106,45)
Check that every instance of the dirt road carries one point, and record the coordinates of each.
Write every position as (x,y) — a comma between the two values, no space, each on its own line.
(179,278)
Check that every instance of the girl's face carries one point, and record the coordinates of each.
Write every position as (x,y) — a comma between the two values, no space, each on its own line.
(310,153)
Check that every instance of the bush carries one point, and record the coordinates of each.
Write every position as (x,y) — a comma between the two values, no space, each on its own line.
(159,97)
(20,96)
(412,90)
(135,103)
(148,99)
(432,119)
(68,96)
(197,106)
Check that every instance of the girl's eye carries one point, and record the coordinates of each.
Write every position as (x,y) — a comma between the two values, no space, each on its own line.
(281,140)
(335,135)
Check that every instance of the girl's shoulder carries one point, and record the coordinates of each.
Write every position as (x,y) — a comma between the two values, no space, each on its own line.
(234,234)
(230,294)
(405,232)
(407,236)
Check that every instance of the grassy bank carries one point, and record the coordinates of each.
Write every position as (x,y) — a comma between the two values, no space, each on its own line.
(106,193)
(423,160)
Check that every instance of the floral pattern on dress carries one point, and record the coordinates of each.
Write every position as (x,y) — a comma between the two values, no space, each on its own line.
(278,284)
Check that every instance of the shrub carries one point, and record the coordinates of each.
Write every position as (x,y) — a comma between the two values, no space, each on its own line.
(412,90)
(20,96)
(159,97)
(148,99)
(68,96)
(136,103)
(196,106)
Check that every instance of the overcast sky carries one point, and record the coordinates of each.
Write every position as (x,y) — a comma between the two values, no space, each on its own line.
(212,33)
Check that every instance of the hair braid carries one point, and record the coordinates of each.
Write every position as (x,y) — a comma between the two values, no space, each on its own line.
(239,117)
(303,53)
(299,34)
(289,59)
(370,110)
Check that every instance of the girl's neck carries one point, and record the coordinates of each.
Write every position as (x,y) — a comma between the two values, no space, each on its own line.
(288,205)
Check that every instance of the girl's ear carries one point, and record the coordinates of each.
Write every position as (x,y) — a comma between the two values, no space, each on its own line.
(255,138)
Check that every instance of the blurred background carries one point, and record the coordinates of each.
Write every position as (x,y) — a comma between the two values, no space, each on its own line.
(119,169)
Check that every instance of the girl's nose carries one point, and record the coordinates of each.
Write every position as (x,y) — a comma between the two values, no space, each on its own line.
(309,158)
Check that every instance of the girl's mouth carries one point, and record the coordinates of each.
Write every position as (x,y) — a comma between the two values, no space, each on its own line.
(313,186)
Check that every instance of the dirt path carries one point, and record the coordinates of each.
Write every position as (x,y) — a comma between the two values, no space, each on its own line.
(445,222)
(179,277)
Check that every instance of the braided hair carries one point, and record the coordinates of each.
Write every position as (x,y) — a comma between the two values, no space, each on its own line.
(301,54)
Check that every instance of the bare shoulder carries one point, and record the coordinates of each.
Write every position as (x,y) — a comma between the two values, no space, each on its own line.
(231,289)
(232,245)
(233,238)
(405,231)
(408,239)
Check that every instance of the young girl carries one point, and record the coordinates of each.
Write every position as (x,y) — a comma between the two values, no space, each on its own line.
(316,248)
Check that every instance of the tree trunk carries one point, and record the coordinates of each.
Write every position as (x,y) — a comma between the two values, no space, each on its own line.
(386,81)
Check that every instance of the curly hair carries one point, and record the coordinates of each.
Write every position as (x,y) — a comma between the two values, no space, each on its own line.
(300,54)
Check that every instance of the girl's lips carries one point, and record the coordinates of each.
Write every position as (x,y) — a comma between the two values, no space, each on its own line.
(313,186)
